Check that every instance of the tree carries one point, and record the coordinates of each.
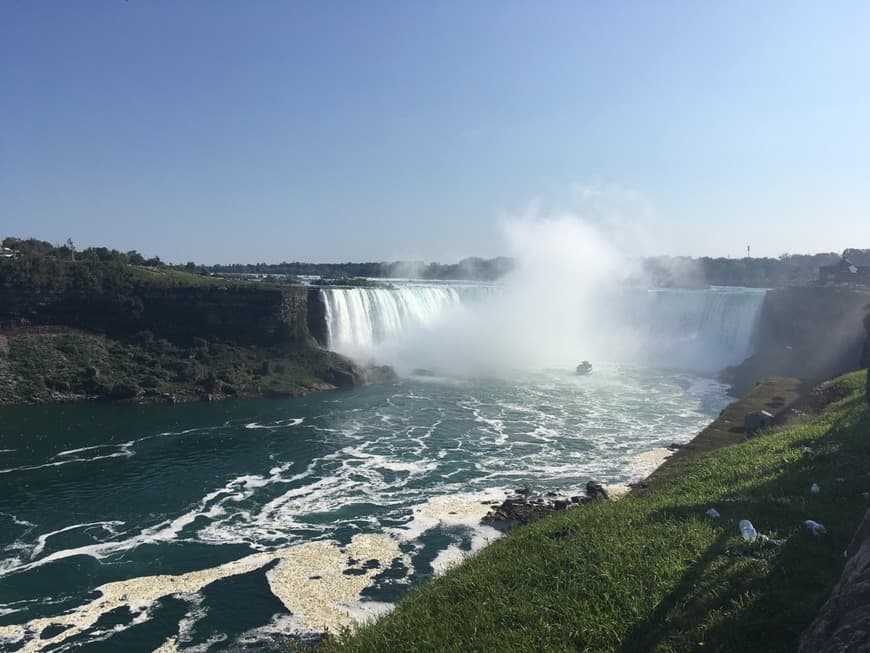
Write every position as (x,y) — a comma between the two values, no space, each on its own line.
(135,258)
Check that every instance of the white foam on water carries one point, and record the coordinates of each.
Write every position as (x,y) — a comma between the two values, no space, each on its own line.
(453,555)
(279,424)
(195,429)
(643,464)
(463,509)
(169,646)
(366,612)
(182,640)
(124,450)
(373,462)
(30,468)
(172,645)
(70,452)
(310,582)
(447,558)
(280,627)
(109,526)
(18,522)
(212,506)
(410,467)
(319,602)
(186,624)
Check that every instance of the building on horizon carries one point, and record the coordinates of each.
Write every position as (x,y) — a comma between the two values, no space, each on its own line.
(853,267)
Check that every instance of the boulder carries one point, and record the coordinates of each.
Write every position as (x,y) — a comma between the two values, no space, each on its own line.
(596,490)
(379,374)
(346,375)
(757,421)
(521,508)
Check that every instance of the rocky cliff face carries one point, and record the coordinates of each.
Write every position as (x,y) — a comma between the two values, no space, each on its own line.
(245,315)
(865,355)
(317,316)
(843,623)
(823,321)
(808,332)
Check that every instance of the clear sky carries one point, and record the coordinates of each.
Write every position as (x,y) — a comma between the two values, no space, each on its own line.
(327,131)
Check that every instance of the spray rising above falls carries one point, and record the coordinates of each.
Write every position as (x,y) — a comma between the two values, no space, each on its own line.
(566,301)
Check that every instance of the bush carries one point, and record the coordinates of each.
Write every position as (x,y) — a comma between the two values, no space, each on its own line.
(125,390)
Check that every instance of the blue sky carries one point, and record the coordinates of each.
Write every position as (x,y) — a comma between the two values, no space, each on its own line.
(327,131)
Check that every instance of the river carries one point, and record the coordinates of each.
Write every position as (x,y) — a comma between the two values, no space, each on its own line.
(217,526)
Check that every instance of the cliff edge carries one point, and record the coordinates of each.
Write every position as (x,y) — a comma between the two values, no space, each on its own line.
(85,330)
(808,332)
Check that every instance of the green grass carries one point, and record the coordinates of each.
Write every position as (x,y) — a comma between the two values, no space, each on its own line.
(166,277)
(653,573)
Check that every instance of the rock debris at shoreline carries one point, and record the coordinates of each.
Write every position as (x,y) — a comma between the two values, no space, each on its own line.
(523,505)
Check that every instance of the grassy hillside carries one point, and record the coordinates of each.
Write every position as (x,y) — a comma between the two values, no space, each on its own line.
(653,573)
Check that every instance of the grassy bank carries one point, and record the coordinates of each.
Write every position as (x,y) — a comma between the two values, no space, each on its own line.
(57,364)
(653,573)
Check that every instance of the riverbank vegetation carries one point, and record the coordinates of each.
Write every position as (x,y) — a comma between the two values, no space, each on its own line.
(39,266)
(45,364)
(654,572)
(99,323)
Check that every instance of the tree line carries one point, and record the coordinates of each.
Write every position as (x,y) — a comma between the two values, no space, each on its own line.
(474,269)
(42,265)
(39,265)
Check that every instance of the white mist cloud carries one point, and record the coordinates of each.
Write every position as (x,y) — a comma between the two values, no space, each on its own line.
(547,312)
(623,214)
(573,296)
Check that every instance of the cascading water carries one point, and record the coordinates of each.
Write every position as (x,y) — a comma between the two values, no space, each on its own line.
(686,329)
(696,329)
(358,319)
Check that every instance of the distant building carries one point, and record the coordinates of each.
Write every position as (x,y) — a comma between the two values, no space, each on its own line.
(853,267)
(5,252)
(757,421)
(860,257)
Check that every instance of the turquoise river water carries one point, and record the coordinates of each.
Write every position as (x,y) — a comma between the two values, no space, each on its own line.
(225,526)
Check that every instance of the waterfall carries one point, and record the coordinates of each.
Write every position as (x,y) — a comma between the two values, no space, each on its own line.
(687,329)
(697,329)
(357,319)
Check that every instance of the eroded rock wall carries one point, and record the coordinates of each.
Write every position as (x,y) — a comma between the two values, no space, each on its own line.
(808,332)
(843,623)
(865,355)
(317,316)
(247,315)
(822,323)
